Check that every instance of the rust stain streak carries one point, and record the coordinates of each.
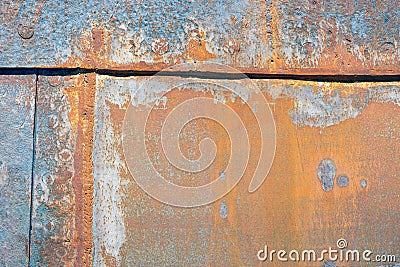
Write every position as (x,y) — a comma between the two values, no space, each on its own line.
(81,95)
(83,179)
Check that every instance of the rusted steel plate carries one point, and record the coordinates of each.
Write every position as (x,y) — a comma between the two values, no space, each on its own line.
(17,105)
(346,37)
(62,192)
(307,37)
(335,175)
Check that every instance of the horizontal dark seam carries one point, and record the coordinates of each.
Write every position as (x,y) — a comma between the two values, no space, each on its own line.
(201,75)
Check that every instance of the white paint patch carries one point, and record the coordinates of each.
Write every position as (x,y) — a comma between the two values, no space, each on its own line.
(108,223)
(148,91)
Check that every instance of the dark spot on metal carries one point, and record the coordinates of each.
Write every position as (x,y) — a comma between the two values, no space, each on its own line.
(3,91)
(326,174)
(223,209)
(367,54)
(363,183)
(231,47)
(329,263)
(342,180)
(25,31)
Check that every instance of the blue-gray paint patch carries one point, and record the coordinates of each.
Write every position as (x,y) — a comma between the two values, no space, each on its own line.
(223,209)
(359,25)
(37,33)
(328,25)
(54,31)
(17,102)
(222,174)
(342,180)
(317,107)
(321,110)
(363,183)
(329,263)
(53,207)
(326,174)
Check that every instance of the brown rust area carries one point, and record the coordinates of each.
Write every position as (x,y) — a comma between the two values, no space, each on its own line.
(362,148)
(340,57)
(81,117)
(335,60)
(95,47)
(198,51)
(290,210)
(63,185)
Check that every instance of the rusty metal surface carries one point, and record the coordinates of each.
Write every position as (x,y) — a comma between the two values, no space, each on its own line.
(62,191)
(335,175)
(306,37)
(336,168)
(17,105)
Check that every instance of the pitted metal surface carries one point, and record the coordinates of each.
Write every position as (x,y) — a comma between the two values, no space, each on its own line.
(274,36)
(68,72)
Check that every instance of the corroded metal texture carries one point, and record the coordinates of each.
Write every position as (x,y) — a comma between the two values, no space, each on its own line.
(335,175)
(17,105)
(336,168)
(62,188)
(305,37)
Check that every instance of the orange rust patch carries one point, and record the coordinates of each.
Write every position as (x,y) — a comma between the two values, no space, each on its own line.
(83,183)
(95,47)
(81,116)
(198,51)
(290,210)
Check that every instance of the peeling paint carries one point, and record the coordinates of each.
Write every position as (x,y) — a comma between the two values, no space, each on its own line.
(130,228)
(326,104)
(108,224)
(254,36)
(319,109)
